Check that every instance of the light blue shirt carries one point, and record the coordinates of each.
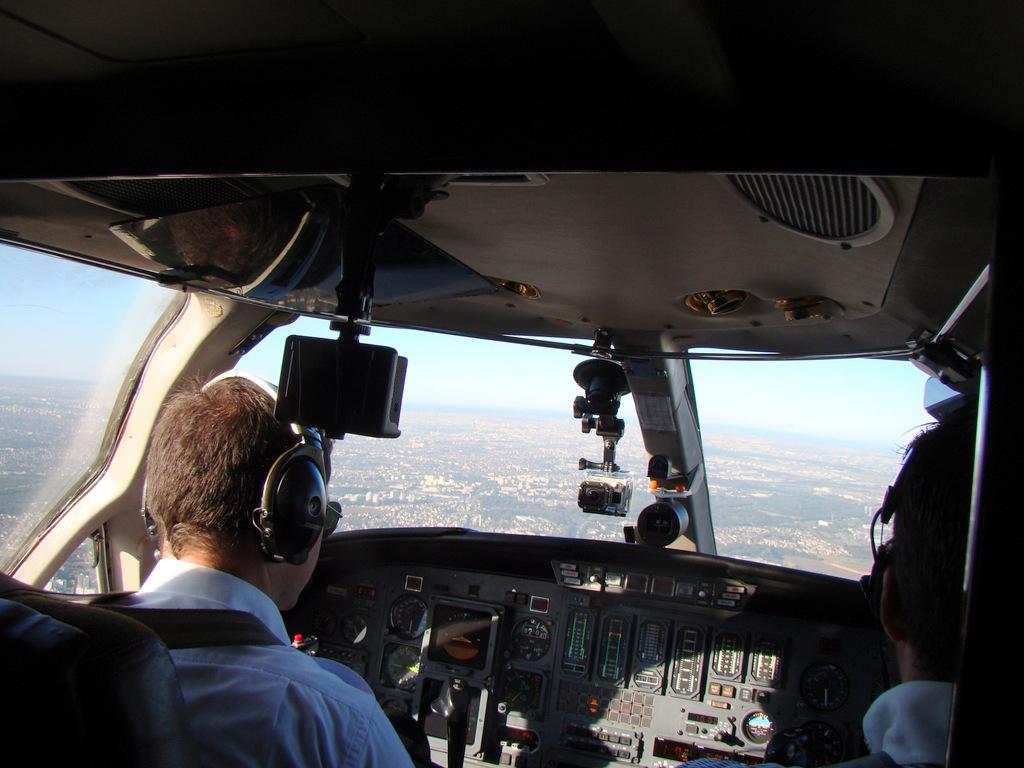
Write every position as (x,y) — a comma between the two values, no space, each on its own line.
(910,722)
(267,706)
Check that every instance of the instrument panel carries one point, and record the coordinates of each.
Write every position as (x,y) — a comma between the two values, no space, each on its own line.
(578,654)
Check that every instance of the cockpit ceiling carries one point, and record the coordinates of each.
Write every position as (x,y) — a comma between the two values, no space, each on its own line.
(800,265)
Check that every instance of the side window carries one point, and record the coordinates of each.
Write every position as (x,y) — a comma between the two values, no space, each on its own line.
(80,574)
(69,336)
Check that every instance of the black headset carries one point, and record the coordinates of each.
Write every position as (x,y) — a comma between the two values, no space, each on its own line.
(882,559)
(294,510)
(881,554)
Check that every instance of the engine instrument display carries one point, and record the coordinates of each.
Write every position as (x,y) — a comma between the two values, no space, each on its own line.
(766,661)
(651,642)
(460,636)
(686,664)
(576,655)
(614,654)
(727,655)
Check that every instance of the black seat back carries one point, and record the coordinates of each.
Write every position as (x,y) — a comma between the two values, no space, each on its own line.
(86,685)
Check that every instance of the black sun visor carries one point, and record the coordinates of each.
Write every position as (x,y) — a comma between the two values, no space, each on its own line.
(284,249)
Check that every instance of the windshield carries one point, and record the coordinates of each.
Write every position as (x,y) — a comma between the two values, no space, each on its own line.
(70,336)
(798,455)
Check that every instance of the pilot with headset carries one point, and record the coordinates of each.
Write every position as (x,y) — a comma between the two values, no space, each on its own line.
(239,502)
(916,591)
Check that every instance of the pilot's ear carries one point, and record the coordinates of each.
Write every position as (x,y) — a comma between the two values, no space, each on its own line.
(891,611)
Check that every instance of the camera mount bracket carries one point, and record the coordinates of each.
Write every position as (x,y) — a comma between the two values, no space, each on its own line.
(605,490)
(372,202)
(605,383)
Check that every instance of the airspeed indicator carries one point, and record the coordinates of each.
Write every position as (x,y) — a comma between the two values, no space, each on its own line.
(824,686)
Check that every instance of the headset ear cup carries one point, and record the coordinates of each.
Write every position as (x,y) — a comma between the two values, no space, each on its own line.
(291,519)
(301,501)
(873,587)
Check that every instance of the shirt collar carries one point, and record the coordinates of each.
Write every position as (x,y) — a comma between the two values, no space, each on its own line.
(910,722)
(196,586)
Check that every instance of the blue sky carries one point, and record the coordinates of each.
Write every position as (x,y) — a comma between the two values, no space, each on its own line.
(872,401)
(869,401)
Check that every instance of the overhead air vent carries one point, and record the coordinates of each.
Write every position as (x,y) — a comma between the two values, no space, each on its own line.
(161,197)
(716,302)
(845,210)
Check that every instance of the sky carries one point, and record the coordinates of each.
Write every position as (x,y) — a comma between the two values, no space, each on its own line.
(870,401)
(67,335)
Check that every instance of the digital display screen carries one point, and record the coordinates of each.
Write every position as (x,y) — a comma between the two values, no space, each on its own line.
(674,750)
(682,752)
(460,636)
(696,717)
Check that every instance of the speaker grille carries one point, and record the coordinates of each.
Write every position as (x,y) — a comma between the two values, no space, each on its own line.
(826,206)
(160,197)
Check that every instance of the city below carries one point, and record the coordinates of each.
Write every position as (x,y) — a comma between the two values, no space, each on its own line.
(786,500)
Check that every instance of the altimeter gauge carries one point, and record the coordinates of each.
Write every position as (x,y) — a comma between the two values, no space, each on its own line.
(531,639)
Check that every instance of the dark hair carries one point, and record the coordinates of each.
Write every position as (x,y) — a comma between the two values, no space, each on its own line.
(208,460)
(931,499)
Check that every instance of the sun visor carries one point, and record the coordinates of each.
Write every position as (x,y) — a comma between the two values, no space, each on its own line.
(284,250)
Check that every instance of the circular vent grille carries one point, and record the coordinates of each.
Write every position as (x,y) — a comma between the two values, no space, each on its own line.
(830,207)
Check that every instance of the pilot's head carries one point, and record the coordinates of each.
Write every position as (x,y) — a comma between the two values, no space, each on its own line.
(931,502)
(227,481)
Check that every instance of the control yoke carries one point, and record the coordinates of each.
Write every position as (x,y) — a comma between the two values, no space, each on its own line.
(451,705)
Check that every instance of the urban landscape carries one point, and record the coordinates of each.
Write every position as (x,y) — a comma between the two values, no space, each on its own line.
(787,500)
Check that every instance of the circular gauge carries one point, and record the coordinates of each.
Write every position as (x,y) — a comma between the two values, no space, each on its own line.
(323,623)
(759,727)
(521,690)
(401,667)
(531,639)
(824,686)
(812,744)
(409,617)
(353,629)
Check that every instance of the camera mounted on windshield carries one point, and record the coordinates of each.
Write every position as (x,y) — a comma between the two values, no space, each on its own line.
(606,490)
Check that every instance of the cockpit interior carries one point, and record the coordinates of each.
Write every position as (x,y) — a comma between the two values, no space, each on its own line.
(640,190)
